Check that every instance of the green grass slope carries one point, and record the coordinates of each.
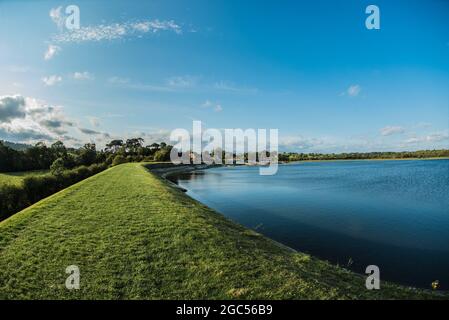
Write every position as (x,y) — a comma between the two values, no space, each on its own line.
(135,237)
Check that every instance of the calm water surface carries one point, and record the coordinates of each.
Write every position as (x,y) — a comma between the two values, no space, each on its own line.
(393,214)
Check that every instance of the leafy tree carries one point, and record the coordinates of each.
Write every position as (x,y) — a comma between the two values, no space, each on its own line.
(87,154)
(58,167)
(58,149)
(162,154)
(133,144)
(114,146)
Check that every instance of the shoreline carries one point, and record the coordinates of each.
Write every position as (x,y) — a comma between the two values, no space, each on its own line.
(165,172)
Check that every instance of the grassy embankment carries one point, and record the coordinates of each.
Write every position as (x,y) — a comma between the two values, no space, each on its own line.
(16,178)
(135,237)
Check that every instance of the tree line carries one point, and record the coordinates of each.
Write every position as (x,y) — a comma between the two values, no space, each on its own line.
(58,157)
(293,156)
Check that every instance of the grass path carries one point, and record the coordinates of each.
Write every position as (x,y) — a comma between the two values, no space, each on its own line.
(135,237)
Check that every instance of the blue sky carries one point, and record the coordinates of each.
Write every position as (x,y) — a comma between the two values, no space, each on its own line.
(308,68)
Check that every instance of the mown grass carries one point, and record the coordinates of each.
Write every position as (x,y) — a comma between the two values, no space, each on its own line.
(135,237)
(16,178)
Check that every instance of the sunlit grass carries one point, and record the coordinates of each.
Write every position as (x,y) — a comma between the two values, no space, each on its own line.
(16,178)
(135,237)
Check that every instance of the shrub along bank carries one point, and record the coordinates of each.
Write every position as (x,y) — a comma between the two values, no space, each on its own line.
(15,197)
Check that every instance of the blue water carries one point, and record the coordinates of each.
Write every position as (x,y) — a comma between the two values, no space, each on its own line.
(393,214)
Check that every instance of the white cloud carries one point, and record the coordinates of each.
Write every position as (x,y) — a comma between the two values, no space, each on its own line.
(207,104)
(215,106)
(155,26)
(57,16)
(432,138)
(94,121)
(182,81)
(29,119)
(229,86)
(115,31)
(82,75)
(51,80)
(128,84)
(391,130)
(118,80)
(353,90)
(299,144)
(52,51)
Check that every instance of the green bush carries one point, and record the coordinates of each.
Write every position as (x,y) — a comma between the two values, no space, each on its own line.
(162,155)
(57,167)
(119,159)
(11,198)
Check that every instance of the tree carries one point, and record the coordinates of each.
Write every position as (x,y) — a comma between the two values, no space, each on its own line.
(58,149)
(114,146)
(58,167)
(87,154)
(163,154)
(133,144)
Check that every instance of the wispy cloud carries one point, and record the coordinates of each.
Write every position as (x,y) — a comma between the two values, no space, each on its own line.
(391,130)
(212,105)
(299,143)
(171,85)
(94,121)
(51,80)
(433,137)
(82,75)
(57,16)
(52,51)
(352,91)
(229,86)
(118,80)
(180,84)
(115,31)
(182,81)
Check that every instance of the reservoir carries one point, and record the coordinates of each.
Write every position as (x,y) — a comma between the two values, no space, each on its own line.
(393,213)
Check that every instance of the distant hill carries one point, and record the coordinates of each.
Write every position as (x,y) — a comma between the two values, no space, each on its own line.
(16,146)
